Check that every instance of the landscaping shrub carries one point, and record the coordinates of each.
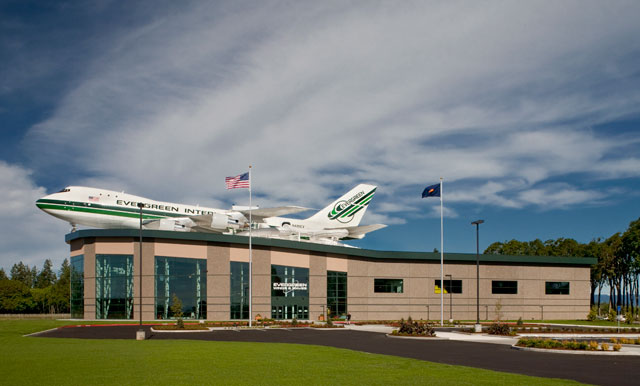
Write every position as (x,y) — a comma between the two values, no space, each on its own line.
(555,344)
(617,347)
(498,328)
(519,322)
(411,327)
(593,314)
(604,346)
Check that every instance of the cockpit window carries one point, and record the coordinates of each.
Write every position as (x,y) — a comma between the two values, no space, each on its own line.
(65,190)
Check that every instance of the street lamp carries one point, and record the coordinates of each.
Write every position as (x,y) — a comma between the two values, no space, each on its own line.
(140,334)
(478,327)
(450,298)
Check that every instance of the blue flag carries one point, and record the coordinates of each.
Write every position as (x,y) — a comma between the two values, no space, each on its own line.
(431,191)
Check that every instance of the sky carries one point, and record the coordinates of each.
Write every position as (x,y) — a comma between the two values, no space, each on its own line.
(529,111)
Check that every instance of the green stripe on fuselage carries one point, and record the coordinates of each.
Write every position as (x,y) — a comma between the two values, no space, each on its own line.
(74,206)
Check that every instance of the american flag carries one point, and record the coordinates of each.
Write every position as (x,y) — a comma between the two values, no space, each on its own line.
(239,181)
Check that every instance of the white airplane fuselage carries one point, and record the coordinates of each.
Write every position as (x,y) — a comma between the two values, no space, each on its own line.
(102,208)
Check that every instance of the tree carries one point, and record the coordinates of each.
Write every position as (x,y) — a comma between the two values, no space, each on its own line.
(22,273)
(630,246)
(3,275)
(42,299)
(46,277)
(594,249)
(176,310)
(60,293)
(176,306)
(15,297)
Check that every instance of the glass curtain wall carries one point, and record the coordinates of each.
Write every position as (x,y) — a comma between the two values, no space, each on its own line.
(114,286)
(77,287)
(185,279)
(336,293)
(289,292)
(239,296)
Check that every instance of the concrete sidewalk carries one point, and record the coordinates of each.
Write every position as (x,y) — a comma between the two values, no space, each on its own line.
(509,340)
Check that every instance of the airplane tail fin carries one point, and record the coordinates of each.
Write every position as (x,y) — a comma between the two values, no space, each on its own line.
(346,211)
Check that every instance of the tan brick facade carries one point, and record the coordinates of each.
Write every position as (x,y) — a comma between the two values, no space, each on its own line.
(419,271)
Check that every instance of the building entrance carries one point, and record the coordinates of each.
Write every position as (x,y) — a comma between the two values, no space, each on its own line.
(290,312)
(289,292)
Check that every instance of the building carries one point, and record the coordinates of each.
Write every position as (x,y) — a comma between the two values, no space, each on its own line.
(209,274)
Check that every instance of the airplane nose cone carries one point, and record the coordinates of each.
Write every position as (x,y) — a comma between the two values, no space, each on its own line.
(40,203)
(43,203)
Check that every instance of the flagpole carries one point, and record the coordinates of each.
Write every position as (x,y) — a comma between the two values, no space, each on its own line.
(441,259)
(250,254)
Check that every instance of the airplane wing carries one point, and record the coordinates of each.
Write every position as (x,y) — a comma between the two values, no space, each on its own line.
(261,213)
(359,231)
(212,223)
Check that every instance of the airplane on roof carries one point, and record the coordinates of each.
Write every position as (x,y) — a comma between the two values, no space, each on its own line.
(101,208)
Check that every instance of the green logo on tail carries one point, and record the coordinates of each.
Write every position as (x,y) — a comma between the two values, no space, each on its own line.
(344,210)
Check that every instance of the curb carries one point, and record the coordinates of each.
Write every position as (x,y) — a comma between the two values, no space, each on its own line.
(40,332)
(416,337)
(209,329)
(575,352)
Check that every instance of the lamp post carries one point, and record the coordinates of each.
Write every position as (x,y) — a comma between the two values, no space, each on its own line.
(450,298)
(140,334)
(478,326)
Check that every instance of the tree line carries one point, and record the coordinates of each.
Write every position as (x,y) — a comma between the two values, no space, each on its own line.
(29,291)
(618,265)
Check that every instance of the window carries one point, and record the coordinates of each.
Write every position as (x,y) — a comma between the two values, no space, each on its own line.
(77,287)
(114,287)
(184,278)
(337,293)
(388,286)
(556,288)
(450,286)
(289,292)
(239,290)
(504,287)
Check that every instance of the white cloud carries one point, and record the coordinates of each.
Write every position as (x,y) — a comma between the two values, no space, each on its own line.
(27,234)
(560,196)
(321,97)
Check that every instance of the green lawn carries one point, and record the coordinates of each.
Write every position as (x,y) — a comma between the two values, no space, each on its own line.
(30,360)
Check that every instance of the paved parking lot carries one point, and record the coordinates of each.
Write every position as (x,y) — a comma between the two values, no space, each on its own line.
(601,370)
